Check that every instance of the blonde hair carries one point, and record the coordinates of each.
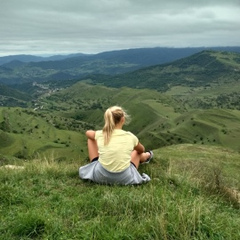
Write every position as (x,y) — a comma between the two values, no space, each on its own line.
(112,117)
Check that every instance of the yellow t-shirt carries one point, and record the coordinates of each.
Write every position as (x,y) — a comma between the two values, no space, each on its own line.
(116,156)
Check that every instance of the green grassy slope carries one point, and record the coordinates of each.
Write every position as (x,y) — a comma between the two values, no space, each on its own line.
(25,135)
(59,123)
(214,126)
(192,195)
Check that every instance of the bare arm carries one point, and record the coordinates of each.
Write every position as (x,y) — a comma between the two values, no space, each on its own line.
(139,148)
(90,134)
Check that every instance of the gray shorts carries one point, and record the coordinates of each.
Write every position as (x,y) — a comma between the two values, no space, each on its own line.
(96,173)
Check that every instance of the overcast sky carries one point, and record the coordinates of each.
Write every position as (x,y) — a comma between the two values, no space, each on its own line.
(51,27)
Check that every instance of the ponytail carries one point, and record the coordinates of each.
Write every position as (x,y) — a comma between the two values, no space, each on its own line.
(112,117)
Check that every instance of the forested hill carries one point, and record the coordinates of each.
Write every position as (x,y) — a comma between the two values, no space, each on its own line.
(12,97)
(198,70)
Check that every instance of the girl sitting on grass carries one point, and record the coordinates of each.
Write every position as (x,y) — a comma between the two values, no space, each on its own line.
(115,154)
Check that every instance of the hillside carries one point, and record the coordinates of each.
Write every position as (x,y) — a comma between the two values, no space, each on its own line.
(57,122)
(11,97)
(192,195)
(26,134)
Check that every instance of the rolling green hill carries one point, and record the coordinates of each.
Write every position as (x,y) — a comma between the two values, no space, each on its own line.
(59,121)
(26,135)
(200,106)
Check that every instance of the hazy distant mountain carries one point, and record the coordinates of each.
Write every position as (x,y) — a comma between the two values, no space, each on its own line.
(106,63)
(31,58)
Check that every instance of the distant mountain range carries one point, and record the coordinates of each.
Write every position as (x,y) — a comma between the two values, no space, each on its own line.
(31,58)
(198,70)
(24,68)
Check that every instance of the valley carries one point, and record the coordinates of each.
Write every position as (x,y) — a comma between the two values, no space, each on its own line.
(51,117)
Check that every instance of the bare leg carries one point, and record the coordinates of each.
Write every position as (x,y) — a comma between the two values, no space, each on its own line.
(137,158)
(92,149)
(144,156)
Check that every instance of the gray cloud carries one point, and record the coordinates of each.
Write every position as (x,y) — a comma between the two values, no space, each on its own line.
(69,26)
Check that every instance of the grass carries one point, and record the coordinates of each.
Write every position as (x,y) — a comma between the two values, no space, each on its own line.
(47,200)
(25,134)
